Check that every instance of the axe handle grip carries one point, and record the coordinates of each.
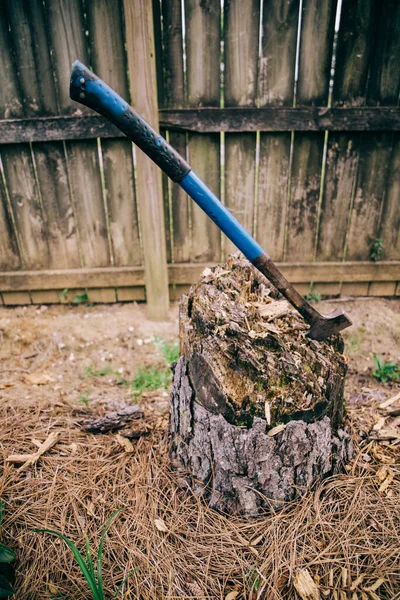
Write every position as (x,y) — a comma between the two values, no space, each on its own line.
(90,90)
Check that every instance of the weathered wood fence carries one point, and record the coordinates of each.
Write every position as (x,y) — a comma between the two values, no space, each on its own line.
(295,125)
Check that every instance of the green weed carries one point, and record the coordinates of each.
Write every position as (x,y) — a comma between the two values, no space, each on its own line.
(149,379)
(385,370)
(84,399)
(253,579)
(81,298)
(313,297)
(376,249)
(64,294)
(92,574)
(90,372)
(169,350)
(7,571)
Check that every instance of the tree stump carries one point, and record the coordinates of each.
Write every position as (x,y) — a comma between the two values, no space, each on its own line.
(256,407)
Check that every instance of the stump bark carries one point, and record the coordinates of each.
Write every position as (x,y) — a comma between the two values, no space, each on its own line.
(256,407)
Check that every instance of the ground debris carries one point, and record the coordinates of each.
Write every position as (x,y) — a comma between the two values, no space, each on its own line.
(31,459)
(113,420)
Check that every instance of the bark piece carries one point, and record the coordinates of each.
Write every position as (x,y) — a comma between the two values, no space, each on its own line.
(113,420)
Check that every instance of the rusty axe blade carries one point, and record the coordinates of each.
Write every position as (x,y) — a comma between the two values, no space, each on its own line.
(90,90)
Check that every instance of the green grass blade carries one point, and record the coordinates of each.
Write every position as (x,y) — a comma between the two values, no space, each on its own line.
(80,560)
(89,558)
(6,555)
(100,552)
(119,588)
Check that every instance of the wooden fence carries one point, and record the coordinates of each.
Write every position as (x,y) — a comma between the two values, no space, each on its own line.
(308,158)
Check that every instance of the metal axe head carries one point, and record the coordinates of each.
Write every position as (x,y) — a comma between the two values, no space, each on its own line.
(323,327)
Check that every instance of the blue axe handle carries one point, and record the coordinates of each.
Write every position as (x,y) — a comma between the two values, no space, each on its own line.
(90,90)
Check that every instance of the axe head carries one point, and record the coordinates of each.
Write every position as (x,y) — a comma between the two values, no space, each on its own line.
(323,327)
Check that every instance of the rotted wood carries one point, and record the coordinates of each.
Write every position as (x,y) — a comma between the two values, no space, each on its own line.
(256,407)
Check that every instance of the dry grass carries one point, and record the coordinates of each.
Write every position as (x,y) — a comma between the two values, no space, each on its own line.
(343,529)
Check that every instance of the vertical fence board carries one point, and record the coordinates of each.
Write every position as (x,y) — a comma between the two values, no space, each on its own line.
(375,148)
(174,96)
(142,73)
(18,166)
(277,73)
(203,89)
(38,89)
(390,225)
(353,53)
(9,256)
(158,24)
(106,35)
(313,86)
(355,44)
(241,32)
(68,42)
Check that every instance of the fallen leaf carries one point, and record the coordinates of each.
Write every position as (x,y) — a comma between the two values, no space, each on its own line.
(125,443)
(38,378)
(388,480)
(357,582)
(161,526)
(374,586)
(276,430)
(257,540)
(232,595)
(305,585)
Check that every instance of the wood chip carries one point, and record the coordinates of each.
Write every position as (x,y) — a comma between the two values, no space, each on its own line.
(389,401)
(276,430)
(125,443)
(268,412)
(305,586)
(30,459)
(379,424)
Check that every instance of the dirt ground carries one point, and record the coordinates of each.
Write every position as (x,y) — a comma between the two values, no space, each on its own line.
(61,364)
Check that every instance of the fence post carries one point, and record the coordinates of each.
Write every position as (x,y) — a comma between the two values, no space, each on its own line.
(143,89)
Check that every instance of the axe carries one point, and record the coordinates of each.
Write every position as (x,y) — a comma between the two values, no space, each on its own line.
(90,90)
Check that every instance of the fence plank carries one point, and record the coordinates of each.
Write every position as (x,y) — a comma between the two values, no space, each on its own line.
(9,255)
(354,47)
(142,72)
(375,149)
(313,86)
(203,89)
(68,42)
(106,37)
(174,97)
(241,33)
(277,73)
(17,163)
(390,225)
(37,86)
